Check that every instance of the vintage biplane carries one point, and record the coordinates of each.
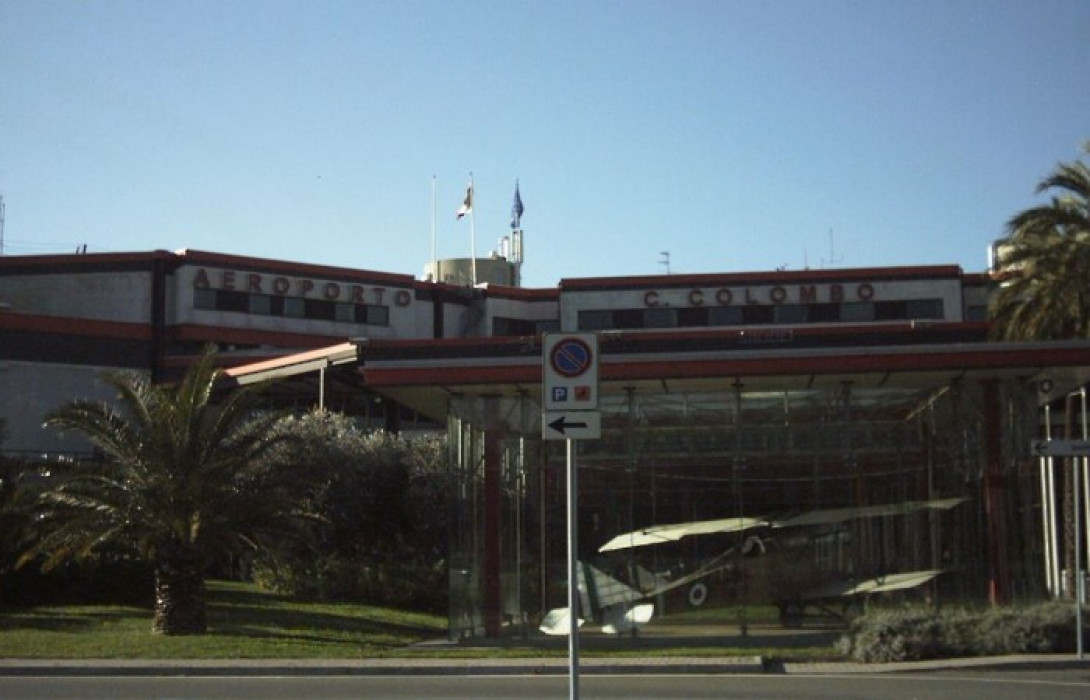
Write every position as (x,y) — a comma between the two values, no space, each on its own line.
(799,563)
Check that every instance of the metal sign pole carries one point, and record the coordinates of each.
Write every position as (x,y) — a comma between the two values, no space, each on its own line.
(573,575)
(1075,464)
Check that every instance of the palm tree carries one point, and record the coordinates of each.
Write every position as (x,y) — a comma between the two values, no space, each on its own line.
(182,480)
(1044,292)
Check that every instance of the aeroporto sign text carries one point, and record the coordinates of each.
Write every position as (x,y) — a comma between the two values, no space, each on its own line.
(725,296)
(279,285)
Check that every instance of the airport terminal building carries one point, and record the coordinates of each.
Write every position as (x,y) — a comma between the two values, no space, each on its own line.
(854,424)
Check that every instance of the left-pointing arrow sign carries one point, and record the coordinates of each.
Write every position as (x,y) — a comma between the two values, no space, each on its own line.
(571,425)
(562,423)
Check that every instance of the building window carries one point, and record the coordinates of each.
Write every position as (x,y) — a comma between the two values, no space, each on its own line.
(890,310)
(294,308)
(373,315)
(725,316)
(757,314)
(232,301)
(925,308)
(502,326)
(204,299)
(660,318)
(628,318)
(319,309)
(857,311)
(291,307)
(791,313)
(824,313)
(595,320)
(345,313)
(692,316)
(261,304)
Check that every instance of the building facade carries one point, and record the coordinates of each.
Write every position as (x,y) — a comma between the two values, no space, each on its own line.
(751,396)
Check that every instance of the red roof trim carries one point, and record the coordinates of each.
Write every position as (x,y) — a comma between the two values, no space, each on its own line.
(65,325)
(90,260)
(965,357)
(244,336)
(437,376)
(771,277)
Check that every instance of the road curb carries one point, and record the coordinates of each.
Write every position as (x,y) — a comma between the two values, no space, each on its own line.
(513,666)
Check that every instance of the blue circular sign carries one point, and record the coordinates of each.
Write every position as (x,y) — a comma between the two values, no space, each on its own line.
(571,357)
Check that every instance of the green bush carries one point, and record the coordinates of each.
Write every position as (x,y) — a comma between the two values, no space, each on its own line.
(378,510)
(916,633)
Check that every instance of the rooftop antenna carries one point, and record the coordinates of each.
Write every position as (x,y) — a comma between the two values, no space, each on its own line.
(665,261)
(1,224)
(833,260)
(516,235)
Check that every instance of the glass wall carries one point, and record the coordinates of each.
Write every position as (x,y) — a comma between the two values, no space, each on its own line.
(777,494)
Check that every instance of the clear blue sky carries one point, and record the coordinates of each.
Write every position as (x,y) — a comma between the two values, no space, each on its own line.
(737,135)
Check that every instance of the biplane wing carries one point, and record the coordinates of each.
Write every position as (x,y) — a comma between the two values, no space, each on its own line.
(882,584)
(836,516)
(659,534)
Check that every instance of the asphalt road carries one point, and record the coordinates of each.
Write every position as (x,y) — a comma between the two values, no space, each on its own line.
(1055,684)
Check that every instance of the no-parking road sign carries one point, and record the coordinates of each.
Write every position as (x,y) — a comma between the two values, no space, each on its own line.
(570,372)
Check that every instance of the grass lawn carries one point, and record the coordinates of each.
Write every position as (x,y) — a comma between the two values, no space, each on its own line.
(246,623)
(243,623)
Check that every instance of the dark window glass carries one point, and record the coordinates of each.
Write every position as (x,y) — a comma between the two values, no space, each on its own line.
(890,310)
(660,318)
(378,315)
(692,316)
(824,313)
(757,314)
(725,316)
(345,313)
(925,308)
(319,309)
(628,318)
(791,313)
(857,311)
(294,308)
(232,301)
(260,304)
(204,299)
(513,326)
(595,320)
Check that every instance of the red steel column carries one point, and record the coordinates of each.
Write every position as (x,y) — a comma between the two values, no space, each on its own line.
(995,497)
(493,528)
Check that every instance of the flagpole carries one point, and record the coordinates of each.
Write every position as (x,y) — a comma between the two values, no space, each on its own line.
(434,259)
(473,230)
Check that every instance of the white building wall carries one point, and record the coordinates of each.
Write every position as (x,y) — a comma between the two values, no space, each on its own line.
(407,314)
(648,296)
(28,391)
(114,296)
(522,309)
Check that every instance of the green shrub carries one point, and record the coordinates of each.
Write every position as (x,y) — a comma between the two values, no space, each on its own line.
(378,508)
(916,633)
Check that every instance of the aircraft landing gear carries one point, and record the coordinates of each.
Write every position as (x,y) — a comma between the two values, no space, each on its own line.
(698,594)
